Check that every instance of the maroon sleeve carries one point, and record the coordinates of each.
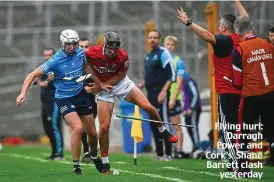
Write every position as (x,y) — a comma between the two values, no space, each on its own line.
(90,54)
(124,62)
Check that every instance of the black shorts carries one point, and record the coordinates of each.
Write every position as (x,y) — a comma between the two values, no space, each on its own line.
(79,103)
(176,110)
(93,104)
(253,107)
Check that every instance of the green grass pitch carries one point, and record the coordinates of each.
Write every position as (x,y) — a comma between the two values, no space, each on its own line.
(28,164)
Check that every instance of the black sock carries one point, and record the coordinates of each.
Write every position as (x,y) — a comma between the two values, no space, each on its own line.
(93,155)
(85,142)
(76,163)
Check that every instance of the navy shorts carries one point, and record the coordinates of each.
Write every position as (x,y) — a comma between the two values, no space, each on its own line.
(79,103)
(176,110)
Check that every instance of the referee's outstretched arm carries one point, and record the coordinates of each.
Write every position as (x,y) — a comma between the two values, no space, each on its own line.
(200,31)
(240,8)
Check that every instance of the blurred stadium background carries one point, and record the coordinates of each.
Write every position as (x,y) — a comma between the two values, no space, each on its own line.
(29,27)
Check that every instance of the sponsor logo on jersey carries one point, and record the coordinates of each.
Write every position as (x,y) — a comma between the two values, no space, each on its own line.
(102,69)
(74,74)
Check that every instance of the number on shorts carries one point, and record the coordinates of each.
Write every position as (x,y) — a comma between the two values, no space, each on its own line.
(266,82)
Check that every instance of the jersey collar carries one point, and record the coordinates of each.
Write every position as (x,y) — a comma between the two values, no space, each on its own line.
(250,37)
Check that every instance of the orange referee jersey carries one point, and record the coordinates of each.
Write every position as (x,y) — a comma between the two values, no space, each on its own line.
(254,66)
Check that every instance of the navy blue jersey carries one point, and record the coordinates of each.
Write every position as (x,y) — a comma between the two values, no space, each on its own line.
(158,69)
(224,46)
(47,93)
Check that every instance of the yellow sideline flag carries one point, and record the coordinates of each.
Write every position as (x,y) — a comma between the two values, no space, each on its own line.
(136,128)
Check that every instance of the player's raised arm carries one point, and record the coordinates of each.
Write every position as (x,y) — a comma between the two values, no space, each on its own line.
(27,82)
(240,8)
(200,31)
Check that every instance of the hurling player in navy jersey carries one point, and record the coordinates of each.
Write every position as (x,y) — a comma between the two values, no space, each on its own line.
(223,45)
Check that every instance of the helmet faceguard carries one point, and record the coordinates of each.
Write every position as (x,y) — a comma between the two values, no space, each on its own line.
(111,43)
(69,40)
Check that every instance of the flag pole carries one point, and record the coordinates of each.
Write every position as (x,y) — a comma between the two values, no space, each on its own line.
(135,153)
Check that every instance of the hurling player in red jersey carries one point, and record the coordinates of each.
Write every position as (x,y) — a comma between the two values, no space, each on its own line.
(223,45)
(253,67)
(109,65)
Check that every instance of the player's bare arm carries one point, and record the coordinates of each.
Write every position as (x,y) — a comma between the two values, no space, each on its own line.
(95,88)
(200,31)
(240,8)
(163,93)
(45,83)
(41,83)
(168,68)
(98,85)
(141,85)
(27,82)
(179,83)
(88,69)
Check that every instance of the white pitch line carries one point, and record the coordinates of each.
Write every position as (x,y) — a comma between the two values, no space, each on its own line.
(203,172)
(118,162)
(155,176)
(28,157)
(142,174)
(115,162)
(124,171)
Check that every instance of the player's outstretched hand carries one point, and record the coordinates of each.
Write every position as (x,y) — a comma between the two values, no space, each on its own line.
(20,99)
(95,88)
(88,89)
(182,15)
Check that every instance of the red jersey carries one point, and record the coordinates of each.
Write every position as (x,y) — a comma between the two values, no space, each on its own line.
(104,67)
(253,66)
(223,67)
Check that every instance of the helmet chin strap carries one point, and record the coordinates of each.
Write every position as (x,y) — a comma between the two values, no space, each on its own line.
(69,53)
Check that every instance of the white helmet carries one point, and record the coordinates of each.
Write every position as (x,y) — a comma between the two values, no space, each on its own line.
(68,36)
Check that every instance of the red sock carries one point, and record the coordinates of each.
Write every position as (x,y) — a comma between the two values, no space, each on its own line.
(104,154)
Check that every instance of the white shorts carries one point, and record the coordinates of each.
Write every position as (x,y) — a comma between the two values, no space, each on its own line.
(121,90)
